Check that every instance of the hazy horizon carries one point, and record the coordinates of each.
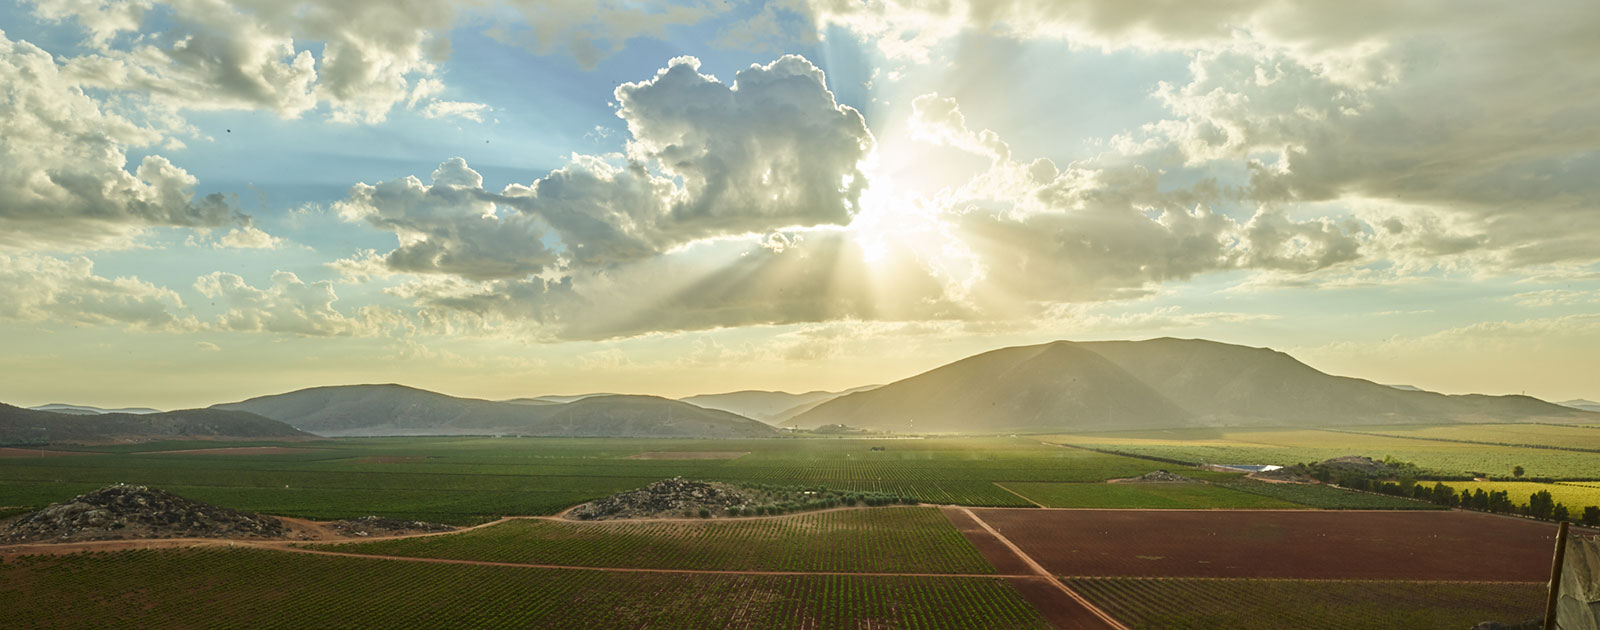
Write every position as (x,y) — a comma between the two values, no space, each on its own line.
(203,203)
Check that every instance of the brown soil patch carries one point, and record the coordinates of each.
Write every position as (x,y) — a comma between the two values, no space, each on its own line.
(997,553)
(689,455)
(1398,545)
(234,450)
(391,459)
(34,452)
(1054,605)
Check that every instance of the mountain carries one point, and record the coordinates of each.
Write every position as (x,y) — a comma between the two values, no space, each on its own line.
(27,426)
(1159,383)
(371,410)
(86,410)
(1579,403)
(766,406)
(552,400)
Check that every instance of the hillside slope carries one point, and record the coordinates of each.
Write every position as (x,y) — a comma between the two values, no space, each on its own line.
(1159,383)
(374,410)
(766,406)
(26,426)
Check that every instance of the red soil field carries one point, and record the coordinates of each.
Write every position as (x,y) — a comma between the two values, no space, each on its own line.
(689,455)
(235,450)
(1398,545)
(34,452)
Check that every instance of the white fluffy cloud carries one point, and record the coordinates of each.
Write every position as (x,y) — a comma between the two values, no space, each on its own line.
(705,159)
(49,289)
(63,172)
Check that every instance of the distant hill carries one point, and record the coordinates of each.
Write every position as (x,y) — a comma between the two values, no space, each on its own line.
(552,400)
(27,426)
(86,410)
(371,410)
(1579,403)
(1160,383)
(767,406)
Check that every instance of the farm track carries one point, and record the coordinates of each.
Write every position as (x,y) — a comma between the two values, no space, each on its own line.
(1074,612)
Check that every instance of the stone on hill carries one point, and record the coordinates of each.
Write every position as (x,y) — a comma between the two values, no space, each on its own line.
(126,512)
(671,497)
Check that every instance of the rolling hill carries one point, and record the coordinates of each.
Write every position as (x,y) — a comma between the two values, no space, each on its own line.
(1159,383)
(767,406)
(373,410)
(86,410)
(27,426)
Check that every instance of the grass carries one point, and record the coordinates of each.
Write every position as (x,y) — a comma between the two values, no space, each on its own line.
(1175,604)
(242,588)
(875,540)
(1291,446)
(1144,495)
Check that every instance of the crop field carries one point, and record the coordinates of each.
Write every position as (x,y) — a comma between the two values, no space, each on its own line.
(245,588)
(1299,544)
(474,480)
(1326,497)
(1575,495)
(877,540)
(1144,495)
(1570,437)
(1291,446)
(1177,604)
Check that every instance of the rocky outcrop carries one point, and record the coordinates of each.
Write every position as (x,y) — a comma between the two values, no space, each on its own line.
(126,512)
(380,526)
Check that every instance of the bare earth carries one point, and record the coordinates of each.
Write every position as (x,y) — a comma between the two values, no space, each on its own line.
(689,455)
(34,452)
(234,450)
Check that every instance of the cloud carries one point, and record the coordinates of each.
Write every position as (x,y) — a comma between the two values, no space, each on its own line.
(704,159)
(591,30)
(63,165)
(290,306)
(66,290)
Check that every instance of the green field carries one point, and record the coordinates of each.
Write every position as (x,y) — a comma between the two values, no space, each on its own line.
(1291,446)
(877,540)
(1564,437)
(241,588)
(1326,497)
(1178,604)
(1143,495)
(473,480)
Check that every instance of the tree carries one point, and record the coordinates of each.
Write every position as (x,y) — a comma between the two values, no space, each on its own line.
(1517,471)
(1541,504)
(1560,512)
(1591,516)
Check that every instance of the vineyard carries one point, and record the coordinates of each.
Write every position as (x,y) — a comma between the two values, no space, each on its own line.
(1290,446)
(1538,435)
(1326,497)
(244,588)
(878,540)
(1575,495)
(1299,544)
(1144,495)
(473,480)
(1177,604)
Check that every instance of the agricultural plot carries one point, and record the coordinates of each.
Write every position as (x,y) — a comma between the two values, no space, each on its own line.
(1299,544)
(1178,604)
(1571,437)
(1291,446)
(1326,497)
(1575,495)
(1144,495)
(243,588)
(472,480)
(873,540)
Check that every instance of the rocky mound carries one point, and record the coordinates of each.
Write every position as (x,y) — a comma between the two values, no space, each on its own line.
(125,512)
(1355,463)
(1159,476)
(380,526)
(679,497)
(670,497)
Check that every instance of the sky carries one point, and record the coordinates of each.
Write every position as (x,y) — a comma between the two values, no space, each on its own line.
(207,200)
